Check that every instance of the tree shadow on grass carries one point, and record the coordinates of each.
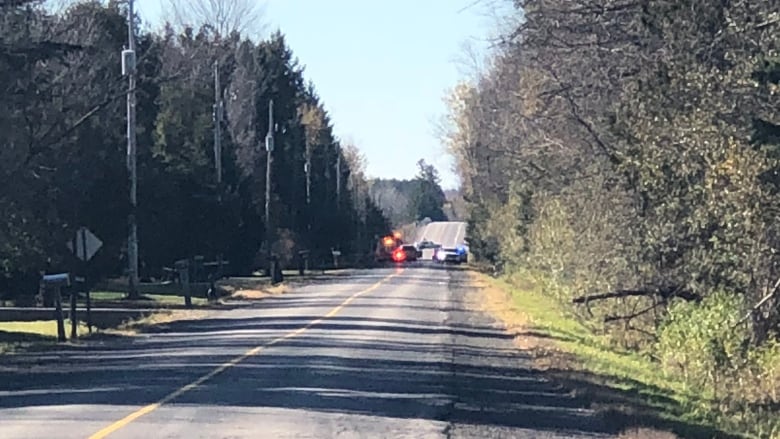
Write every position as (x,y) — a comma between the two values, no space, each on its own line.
(13,337)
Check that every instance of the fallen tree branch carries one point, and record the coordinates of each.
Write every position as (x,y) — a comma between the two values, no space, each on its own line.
(609,319)
(612,295)
(644,332)
(665,293)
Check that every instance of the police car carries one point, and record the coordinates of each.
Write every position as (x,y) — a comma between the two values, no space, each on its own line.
(456,255)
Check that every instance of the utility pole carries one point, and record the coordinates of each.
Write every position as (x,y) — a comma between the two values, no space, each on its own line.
(128,67)
(307,169)
(218,114)
(338,177)
(269,147)
(218,111)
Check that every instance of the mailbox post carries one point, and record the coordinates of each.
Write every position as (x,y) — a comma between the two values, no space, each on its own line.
(183,267)
(276,270)
(303,261)
(57,281)
(197,268)
(336,254)
(214,276)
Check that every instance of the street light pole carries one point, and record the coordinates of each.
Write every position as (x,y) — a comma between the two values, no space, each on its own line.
(130,69)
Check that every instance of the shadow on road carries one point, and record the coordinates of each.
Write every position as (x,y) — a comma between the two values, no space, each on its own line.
(464,371)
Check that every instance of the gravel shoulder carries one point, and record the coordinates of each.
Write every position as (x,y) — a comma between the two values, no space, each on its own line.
(499,390)
(621,406)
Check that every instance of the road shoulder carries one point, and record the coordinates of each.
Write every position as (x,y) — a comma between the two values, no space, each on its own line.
(624,402)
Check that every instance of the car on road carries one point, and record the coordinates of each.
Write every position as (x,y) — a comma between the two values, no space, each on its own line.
(424,244)
(386,246)
(456,255)
(464,253)
(412,252)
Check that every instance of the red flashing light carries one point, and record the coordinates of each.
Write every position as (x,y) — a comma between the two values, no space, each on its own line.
(399,255)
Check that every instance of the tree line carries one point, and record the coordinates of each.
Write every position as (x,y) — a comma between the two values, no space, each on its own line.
(628,154)
(406,202)
(63,148)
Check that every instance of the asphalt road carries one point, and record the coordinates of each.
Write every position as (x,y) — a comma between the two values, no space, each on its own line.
(387,353)
(446,233)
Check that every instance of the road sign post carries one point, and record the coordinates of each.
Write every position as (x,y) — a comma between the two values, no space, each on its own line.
(84,245)
(74,321)
(89,307)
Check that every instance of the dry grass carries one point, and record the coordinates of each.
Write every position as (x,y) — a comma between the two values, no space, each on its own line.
(498,303)
(158,318)
(646,433)
(259,293)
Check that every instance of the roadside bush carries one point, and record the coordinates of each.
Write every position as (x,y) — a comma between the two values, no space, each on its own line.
(581,239)
(765,375)
(706,344)
(759,385)
(507,225)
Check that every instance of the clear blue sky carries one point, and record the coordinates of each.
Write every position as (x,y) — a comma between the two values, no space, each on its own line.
(381,68)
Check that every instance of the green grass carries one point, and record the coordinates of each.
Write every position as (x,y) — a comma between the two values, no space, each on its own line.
(15,334)
(630,377)
(44,328)
(548,317)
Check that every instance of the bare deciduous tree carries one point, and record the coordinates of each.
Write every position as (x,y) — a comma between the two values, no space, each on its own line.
(224,16)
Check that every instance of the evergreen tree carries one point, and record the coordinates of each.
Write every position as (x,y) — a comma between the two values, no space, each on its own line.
(62,159)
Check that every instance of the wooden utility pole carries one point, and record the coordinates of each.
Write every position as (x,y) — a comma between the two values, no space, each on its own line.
(338,178)
(128,60)
(269,147)
(218,110)
(307,168)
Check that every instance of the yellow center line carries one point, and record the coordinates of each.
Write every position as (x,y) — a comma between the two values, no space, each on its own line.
(252,352)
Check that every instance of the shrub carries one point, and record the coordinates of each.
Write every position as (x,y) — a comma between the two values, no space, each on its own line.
(704,342)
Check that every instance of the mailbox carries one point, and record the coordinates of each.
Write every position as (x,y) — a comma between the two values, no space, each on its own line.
(57,280)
